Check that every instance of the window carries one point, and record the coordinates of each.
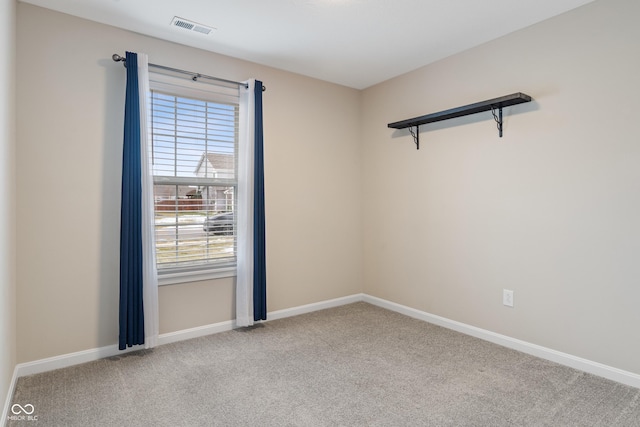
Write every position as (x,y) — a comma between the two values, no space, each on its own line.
(194,161)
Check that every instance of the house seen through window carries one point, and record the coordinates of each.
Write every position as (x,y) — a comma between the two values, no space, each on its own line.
(194,151)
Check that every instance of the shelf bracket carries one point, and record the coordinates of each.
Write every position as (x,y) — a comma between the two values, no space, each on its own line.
(416,136)
(497,118)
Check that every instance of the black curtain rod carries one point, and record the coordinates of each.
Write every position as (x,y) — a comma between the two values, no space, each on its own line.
(194,76)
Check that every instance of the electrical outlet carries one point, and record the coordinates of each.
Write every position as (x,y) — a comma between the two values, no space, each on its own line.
(507,297)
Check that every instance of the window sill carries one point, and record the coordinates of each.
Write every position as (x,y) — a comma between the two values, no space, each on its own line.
(195,276)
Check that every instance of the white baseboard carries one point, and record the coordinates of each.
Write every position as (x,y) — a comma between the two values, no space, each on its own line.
(66,360)
(215,328)
(609,372)
(70,359)
(303,309)
(200,331)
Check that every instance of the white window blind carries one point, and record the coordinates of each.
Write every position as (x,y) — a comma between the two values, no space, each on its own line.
(194,163)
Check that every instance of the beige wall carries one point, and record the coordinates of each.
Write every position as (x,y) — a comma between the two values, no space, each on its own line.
(70,109)
(550,210)
(7,187)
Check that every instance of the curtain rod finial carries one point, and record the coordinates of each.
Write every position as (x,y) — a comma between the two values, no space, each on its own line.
(117,58)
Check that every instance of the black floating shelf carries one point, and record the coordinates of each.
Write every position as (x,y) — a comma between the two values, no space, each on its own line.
(489,105)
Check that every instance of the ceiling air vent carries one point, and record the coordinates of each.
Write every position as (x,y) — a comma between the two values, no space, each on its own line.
(190,25)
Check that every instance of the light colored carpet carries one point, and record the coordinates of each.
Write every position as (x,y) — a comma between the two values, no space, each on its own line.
(356,365)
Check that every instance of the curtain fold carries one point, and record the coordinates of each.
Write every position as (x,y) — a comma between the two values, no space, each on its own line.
(138,276)
(259,237)
(251,304)
(150,269)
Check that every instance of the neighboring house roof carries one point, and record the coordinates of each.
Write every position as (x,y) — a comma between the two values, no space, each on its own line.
(212,163)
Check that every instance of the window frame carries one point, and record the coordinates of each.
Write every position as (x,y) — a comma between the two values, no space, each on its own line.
(202,91)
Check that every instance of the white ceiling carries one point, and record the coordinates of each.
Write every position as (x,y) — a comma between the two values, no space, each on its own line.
(356,43)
